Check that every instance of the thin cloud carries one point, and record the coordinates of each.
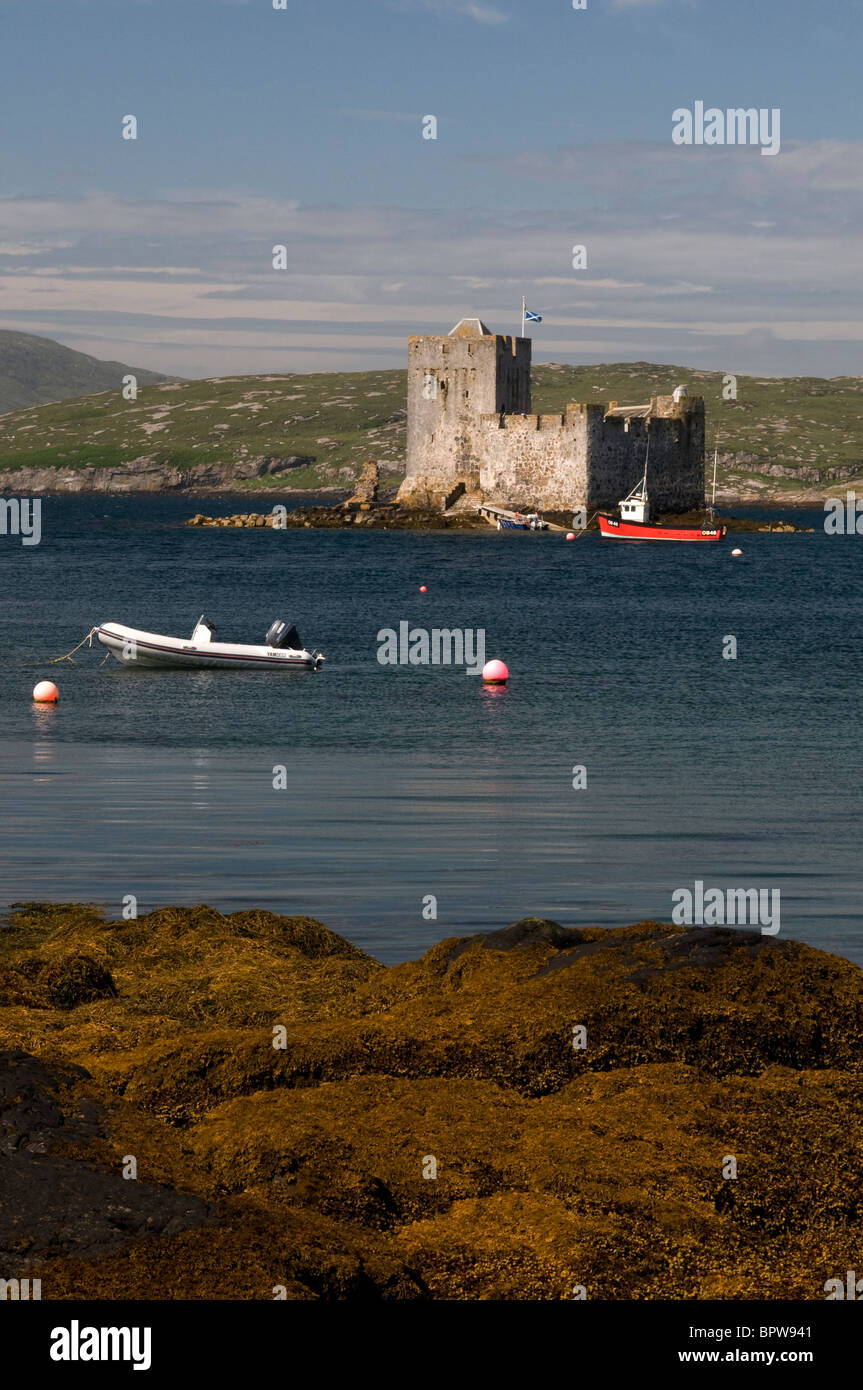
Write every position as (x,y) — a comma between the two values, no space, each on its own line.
(31,248)
(361,278)
(467,9)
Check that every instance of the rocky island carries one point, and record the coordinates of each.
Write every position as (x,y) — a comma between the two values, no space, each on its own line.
(395,516)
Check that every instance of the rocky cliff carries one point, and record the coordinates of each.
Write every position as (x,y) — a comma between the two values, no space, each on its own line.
(149,474)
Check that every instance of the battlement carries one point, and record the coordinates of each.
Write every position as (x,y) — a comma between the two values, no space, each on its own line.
(446,340)
(522,423)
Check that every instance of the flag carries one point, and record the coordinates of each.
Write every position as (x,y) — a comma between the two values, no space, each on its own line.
(531,317)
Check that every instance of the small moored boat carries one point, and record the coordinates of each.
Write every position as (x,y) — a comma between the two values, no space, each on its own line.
(506,520)
(133,647)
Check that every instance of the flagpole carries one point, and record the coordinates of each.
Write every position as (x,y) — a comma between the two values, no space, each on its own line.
(523,307)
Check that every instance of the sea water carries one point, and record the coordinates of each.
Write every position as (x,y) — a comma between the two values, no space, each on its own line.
(416,803)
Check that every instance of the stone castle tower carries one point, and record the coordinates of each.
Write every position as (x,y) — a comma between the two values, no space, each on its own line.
(470,433)
(453,381)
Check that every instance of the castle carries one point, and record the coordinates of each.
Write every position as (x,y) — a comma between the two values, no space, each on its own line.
(471,436)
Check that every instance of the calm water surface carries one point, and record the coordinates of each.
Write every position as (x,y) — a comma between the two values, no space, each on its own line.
(405,782)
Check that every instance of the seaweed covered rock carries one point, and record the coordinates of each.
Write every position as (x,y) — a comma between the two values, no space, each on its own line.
(648,1112)
(61,983)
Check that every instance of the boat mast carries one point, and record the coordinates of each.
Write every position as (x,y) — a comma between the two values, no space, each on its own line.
(715,458)
(646,457)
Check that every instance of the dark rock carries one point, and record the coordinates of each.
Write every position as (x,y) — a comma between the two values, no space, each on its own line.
(52,1203)
(57,1206)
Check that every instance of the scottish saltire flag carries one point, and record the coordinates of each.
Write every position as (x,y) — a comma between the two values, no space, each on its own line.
(531,317)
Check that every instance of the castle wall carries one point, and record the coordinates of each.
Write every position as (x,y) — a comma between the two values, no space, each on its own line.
(616,448)
(676,468)
(586,458)
(452,382)
(534,460)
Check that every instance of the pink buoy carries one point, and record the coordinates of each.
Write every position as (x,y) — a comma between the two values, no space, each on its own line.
(495,673)
(46,693)
(423,589)
(570,535)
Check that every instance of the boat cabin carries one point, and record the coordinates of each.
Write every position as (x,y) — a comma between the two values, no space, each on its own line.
(636,510)
(635,507)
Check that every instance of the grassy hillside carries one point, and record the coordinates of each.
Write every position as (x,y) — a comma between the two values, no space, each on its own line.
(335,419)
(779,434)
(34,370)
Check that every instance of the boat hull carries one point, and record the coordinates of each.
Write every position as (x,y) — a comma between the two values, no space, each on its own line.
(132,647)
(612,529)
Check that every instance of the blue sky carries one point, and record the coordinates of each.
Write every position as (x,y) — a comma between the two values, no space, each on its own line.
(304,127)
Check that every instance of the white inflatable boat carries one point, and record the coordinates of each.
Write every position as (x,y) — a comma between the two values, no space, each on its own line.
(133,647)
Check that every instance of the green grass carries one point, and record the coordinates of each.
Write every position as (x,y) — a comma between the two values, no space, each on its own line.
(339,419)
(335,419)
(299,479)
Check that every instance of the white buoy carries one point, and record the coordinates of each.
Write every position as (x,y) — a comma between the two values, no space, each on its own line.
(46,693)
(737,552)
(495,672)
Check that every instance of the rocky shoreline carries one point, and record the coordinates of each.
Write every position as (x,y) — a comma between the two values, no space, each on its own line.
(148,475)
(386,516)
(195,1105)
(392,516)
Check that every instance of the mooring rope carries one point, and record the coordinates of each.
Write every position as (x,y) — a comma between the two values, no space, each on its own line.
(68,655)
(53,660)
(581,530)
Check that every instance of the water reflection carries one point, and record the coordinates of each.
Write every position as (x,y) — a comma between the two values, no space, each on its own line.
(45,750)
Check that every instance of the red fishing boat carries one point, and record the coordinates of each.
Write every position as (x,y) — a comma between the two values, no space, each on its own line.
(634,523)
(655,531)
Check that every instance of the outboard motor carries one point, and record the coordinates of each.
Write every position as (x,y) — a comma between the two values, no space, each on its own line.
(280,634)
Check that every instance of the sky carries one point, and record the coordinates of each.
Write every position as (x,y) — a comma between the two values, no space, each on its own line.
(303,127)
